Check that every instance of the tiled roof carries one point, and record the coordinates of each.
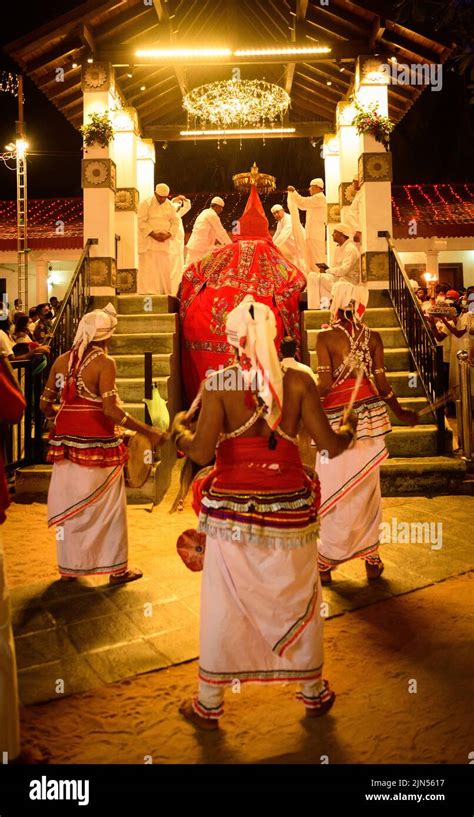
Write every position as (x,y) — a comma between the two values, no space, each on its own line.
(433,210)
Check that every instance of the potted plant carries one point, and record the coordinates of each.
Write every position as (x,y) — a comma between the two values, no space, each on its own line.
(369,120)
(99,131)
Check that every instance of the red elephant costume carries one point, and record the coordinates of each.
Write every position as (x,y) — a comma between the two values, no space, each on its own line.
(212,287)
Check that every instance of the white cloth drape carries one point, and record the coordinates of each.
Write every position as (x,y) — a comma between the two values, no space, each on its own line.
(89,506)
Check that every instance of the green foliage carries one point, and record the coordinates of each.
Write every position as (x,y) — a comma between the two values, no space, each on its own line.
(99,131)
(369,120)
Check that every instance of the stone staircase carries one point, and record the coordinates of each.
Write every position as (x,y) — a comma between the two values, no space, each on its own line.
(414,465)
(145,324)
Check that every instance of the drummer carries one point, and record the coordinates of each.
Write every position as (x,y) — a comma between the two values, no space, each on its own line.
(86,499)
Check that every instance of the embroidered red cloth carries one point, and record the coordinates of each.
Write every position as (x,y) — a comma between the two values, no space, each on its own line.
(341,394)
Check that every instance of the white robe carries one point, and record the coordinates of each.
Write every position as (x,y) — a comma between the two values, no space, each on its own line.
(284,239)
(154,259)
(206,231)
(9,717)
(177,246)
(315,227)
(346,267)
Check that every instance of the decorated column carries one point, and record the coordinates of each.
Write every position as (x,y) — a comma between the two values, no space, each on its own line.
(145,168)
(375,175)
(332,178)
(126,198)
(99,183)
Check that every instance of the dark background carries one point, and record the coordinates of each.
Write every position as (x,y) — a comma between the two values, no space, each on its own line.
(432,143)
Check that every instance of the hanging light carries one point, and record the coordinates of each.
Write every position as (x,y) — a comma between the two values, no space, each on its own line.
(237,104)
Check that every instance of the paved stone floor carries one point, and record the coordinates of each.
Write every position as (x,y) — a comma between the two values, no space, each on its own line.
(87,634)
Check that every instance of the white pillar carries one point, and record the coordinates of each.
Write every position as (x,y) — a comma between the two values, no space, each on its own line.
(126,198)
(348,153)
(99,183)
(145,168)
(375,175)
(41,281)
(432,263)
(333,178)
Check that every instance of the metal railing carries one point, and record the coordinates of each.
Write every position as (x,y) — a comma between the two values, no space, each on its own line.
(427,355)
(21,443)
(73,306)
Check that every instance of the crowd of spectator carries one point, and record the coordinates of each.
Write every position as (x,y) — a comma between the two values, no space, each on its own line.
(26,335)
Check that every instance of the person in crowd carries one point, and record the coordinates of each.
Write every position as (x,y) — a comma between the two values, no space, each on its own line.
(288,357)
(23,340)
(206,231)
(44,325)
(350,356)
(260,593)
(158,225)
(7,345)
(55,306)
(86,498)
(16,309)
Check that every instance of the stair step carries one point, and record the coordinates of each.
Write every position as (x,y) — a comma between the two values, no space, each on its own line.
(396,360)
(131,365)
(420,441)
(379,298)
(32,483)
(139,304)
(414,403)
(422,475)
(132,389)
(405,384)
(147,322)
(378,317)
(141,342)
(392,337)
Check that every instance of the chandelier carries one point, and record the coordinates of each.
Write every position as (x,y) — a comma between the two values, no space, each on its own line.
(236,103)
(263,181)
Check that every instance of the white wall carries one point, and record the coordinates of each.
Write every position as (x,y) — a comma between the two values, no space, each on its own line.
(463,256)
(62,262)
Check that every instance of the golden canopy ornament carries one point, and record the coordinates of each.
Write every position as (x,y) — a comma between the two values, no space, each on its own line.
(263,181)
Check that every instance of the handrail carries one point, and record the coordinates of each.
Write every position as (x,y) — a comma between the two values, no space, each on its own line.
(21,443)
(61,318)
(427,355)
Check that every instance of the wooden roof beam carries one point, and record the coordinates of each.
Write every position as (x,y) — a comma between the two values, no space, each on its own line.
(378,28)
(163,17)
(301,10)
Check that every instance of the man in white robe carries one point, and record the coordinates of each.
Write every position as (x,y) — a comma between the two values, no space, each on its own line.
(315,227)
(346,268)
(283,237)
(206,231)
(157,226)
(182,205)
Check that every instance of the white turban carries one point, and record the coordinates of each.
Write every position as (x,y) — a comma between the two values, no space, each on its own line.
(276,208)
(251,328)
(343,228)
(347,296)
(317,182)
(218,200)
(99,324)
(162,189)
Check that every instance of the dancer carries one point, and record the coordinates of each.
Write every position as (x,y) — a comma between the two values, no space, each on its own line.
(260,596)
(86,498)
(351,506)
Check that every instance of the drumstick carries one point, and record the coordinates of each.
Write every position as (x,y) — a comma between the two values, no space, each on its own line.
(438,403)
(348,408)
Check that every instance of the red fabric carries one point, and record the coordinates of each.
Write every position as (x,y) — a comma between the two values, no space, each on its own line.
(12,406)
(78,420)
(253,222)
(341,394)
(229,473)
(214,286)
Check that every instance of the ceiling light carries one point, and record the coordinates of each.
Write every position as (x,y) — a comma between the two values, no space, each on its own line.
(183,52)
(90,59)
(285,51)
(142,87)
(237,132)
(74,65)
(328,82)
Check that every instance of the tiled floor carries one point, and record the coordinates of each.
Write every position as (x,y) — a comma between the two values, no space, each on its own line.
(76,636)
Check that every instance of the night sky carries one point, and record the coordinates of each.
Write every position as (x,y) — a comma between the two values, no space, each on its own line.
(433,143)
